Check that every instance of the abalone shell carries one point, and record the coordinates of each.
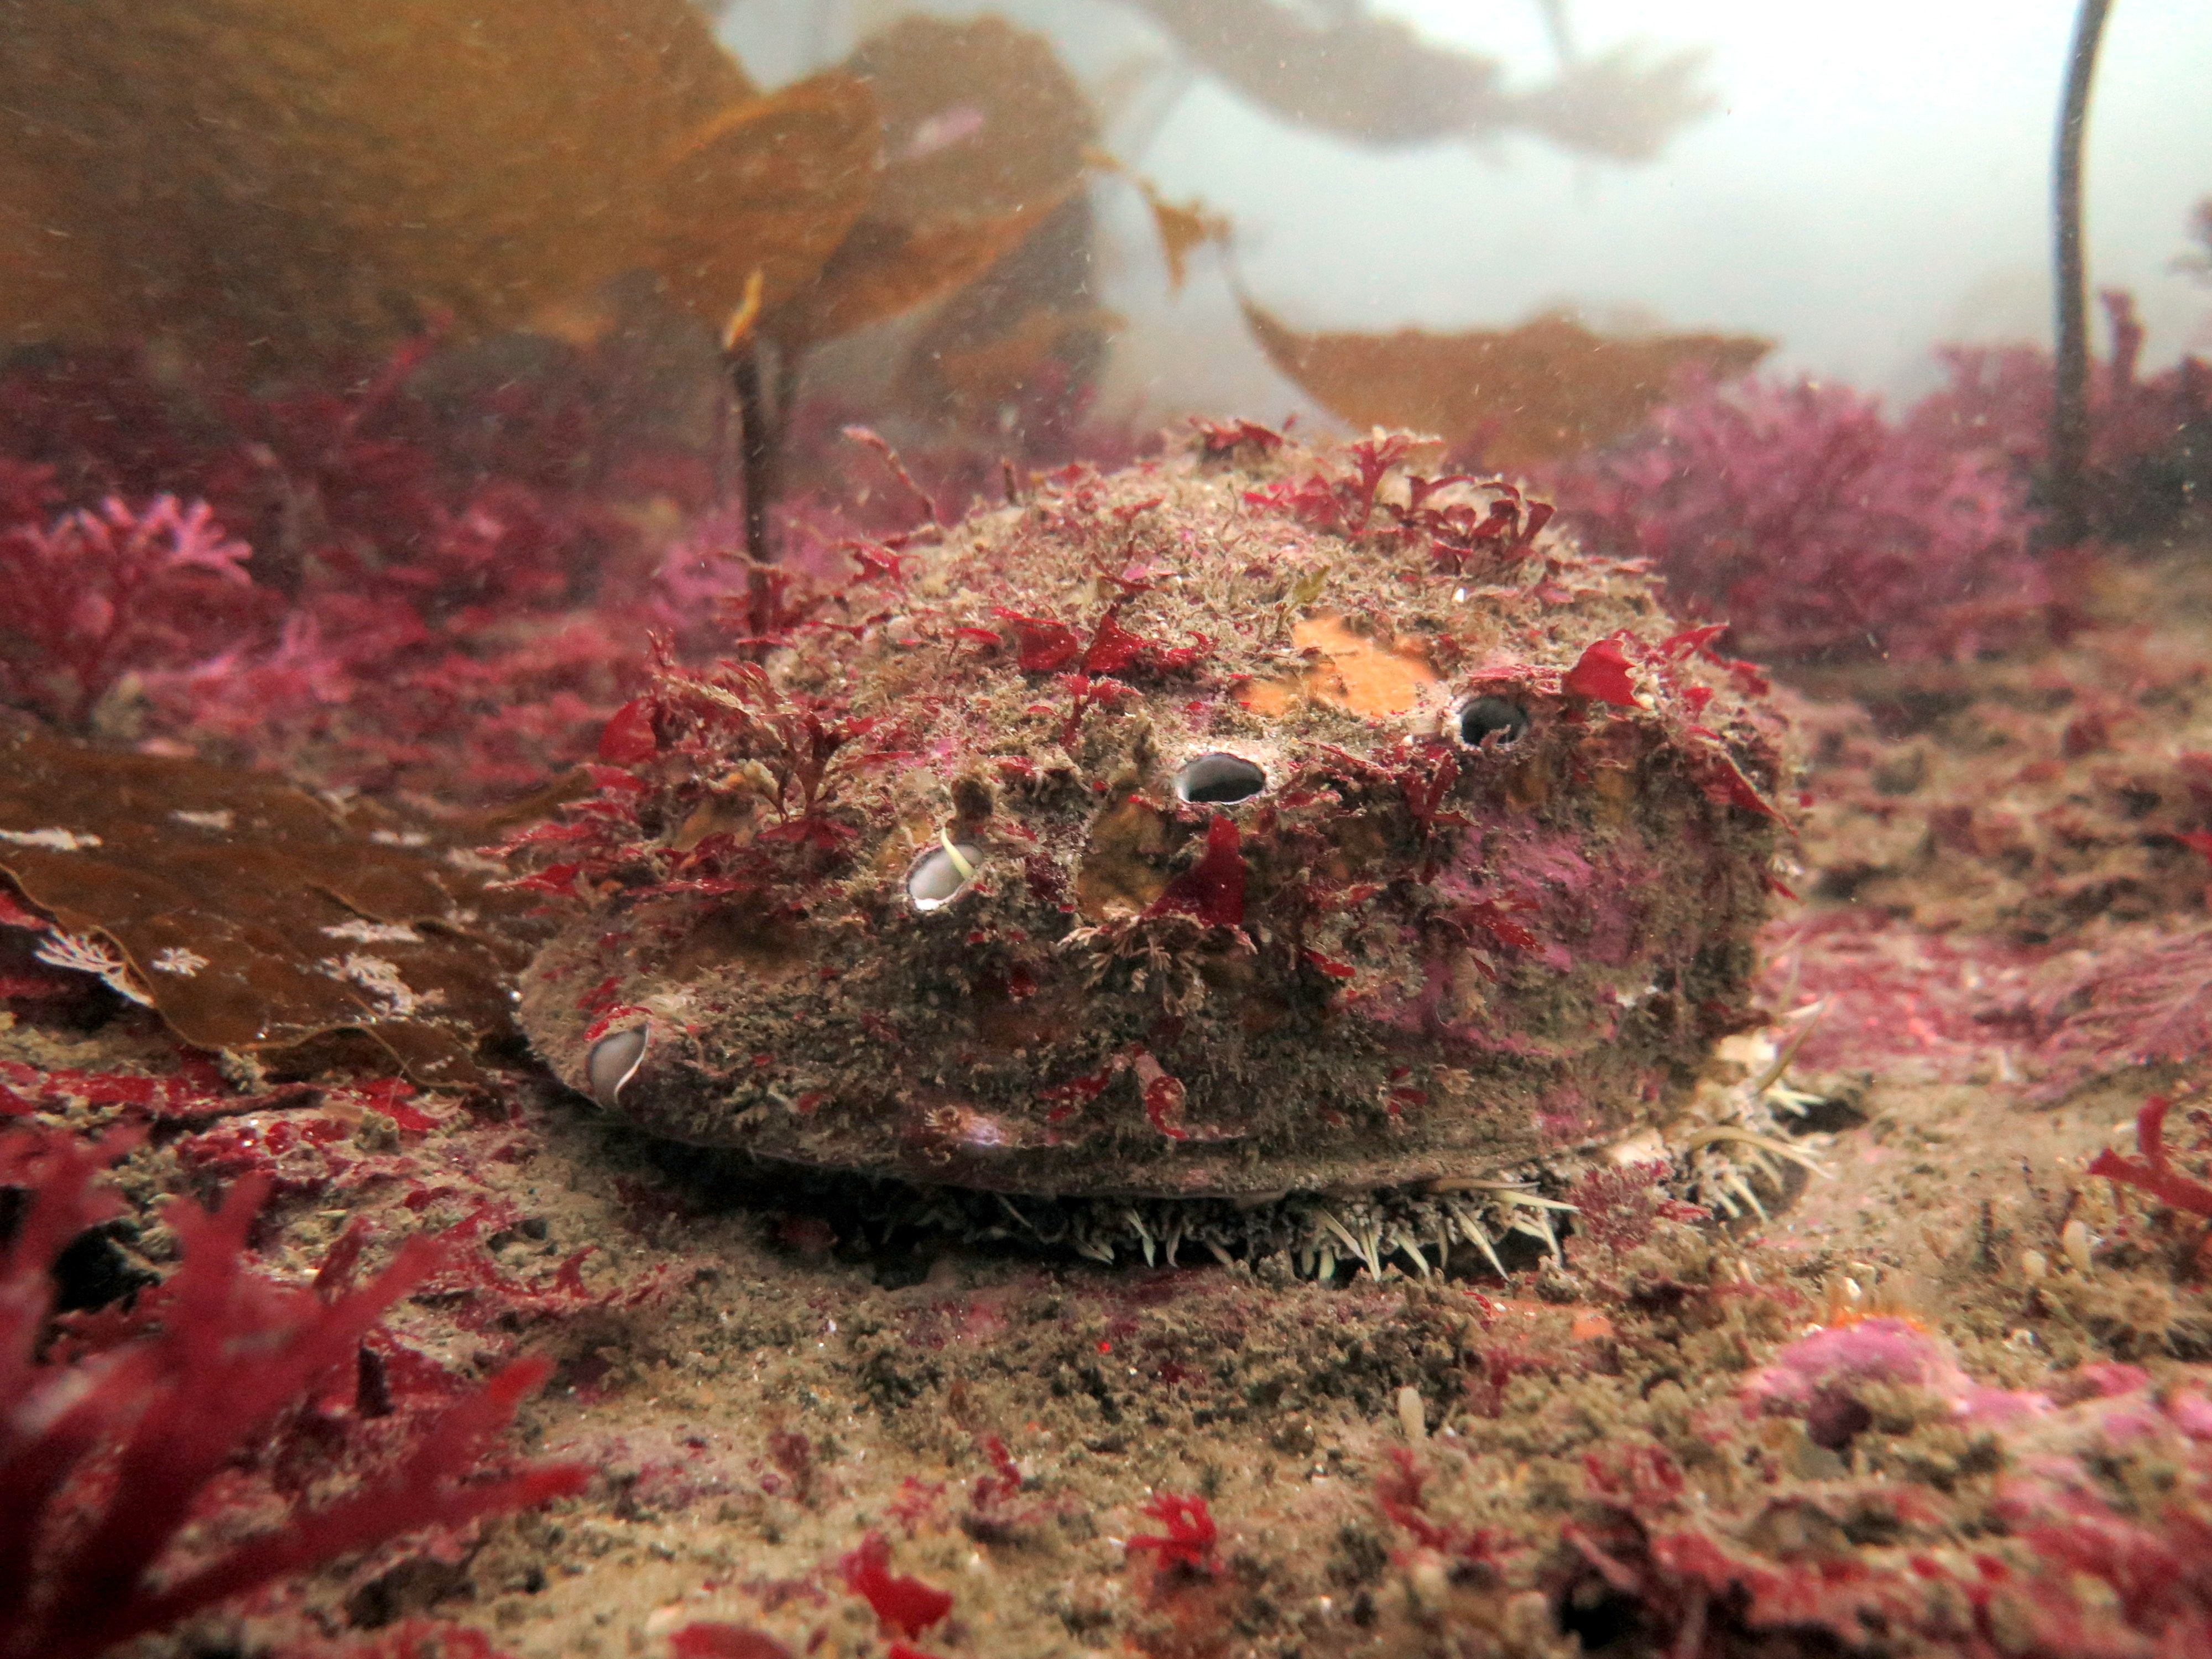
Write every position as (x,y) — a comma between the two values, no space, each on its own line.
(1248,822)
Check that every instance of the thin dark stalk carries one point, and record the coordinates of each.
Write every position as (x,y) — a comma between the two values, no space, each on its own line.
(2070,400)
(757,436)
(755,445)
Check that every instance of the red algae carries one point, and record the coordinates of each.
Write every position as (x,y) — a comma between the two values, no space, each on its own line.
(116,1442)
(2154,1171)
(1189,1537)
(905,1604)
(1817,529)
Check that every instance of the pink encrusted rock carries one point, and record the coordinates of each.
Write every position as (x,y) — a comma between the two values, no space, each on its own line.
(1240,824)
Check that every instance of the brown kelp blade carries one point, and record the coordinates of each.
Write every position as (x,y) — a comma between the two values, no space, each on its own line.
(984,135)
(772,185)
(311,175)
(1548,388)
(250,914)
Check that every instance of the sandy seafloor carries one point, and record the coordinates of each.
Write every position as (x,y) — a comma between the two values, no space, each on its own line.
(760,1388)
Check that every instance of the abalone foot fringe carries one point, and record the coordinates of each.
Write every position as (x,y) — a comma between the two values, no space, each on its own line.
(1511,1222)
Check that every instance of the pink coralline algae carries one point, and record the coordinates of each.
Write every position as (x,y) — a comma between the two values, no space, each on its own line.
(1831,1359)
(1816,1378)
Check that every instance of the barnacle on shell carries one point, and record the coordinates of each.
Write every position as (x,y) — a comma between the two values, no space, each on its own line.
(612,1061)
(942,874)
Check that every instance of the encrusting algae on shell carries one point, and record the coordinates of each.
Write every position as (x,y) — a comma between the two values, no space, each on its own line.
(1254,848)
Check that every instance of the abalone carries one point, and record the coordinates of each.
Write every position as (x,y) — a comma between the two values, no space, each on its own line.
(1246,824)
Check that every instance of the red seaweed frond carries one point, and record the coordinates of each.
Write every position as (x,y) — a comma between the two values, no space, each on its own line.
(905,1605)
(110,1459)
(94,594)
(712,1639)
(2154,1171)
(992,1515)
(1398,1494)
(1211,889)
(868,438)
(1820,529)
(2148,1006)
(489,1298)
(1311,500)
(739,712)
(1372,457)
(777,604)
(1190,1534)
(440,588)
(1602,673)
(728,721)
(1219,438)
(1503,532)
(1005,1479)
(1086,693)
(1341,504)
(1472,525)
(1042,645)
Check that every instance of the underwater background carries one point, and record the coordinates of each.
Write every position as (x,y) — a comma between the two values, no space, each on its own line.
(1196,826)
